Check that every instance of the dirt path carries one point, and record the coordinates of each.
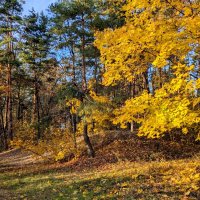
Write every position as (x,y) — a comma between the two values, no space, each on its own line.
(17,158)
(13,160)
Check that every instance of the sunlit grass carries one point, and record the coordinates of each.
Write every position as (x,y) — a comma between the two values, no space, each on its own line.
(124,180)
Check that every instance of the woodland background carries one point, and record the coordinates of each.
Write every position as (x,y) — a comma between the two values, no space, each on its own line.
(110,80)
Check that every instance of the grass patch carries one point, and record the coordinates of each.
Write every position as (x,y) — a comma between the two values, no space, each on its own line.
(124,180)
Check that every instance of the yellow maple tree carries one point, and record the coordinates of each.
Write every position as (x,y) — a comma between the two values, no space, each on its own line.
(162,36)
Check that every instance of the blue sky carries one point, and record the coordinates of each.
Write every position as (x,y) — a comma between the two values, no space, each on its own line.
(38,5)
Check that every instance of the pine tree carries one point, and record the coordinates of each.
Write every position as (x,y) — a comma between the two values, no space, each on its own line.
(72,23)
(10,11)
(36,41)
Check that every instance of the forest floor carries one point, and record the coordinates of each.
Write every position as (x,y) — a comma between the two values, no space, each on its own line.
(125,167)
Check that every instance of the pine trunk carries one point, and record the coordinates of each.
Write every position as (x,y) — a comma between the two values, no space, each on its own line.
(37,108)
(9,122)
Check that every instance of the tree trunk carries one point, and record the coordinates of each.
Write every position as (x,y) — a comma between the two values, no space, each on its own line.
(96,71)
(3,132)
(132,127)
(9,117)
(132,94)
(73,65)
(91,152)
(84,80)
(19,114)
(37,108)
(145,81)
(84,89)
(160,77)
(74,128)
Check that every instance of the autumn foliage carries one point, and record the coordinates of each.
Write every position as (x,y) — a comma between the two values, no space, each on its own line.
(95,66)
(159,42)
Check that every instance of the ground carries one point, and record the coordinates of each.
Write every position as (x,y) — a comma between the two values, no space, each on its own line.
(147,172)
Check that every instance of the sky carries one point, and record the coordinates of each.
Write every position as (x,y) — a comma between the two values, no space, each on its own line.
(38,5)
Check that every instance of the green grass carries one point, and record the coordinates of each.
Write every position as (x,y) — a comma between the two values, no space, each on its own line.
(124,180)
